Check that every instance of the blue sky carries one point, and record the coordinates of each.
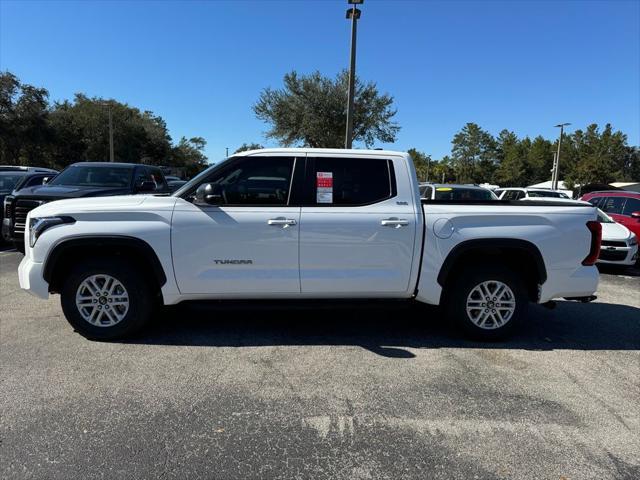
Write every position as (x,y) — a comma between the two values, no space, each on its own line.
(201,65)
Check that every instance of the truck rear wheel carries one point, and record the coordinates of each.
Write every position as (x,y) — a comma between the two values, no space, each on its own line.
(487,302)
(106,299)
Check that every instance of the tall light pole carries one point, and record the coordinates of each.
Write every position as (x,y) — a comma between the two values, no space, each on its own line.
(554,177)
(354,14)
(110,136)
(108,105)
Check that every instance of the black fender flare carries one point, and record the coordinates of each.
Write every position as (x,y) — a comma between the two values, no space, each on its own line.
(492,244)
(141,248)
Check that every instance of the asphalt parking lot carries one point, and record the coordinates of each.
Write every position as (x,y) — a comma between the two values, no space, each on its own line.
(353,392)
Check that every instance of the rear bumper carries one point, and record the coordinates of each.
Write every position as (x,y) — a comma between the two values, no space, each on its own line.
(580,282)
(30,276)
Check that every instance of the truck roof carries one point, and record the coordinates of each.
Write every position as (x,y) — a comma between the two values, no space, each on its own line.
(308,150)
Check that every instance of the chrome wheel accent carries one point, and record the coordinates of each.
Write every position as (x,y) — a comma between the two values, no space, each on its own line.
(491,304)
(102,300)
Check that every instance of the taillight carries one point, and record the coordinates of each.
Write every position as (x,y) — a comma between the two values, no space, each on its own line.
(596,238)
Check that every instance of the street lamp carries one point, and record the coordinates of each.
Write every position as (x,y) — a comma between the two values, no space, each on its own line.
(556,166)
(354,15)
(108,105)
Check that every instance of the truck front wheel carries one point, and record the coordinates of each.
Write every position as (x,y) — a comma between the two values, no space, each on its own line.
(487,302)
(106,299)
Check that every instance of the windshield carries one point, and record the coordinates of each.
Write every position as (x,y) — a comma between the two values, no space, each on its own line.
(462,193)
(604,218)
(8,181)
(95,176)
(546,193)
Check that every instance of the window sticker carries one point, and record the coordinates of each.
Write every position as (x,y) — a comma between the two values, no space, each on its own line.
(324,187)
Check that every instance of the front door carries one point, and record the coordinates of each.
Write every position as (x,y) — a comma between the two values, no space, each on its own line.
(248,244)
(357,228)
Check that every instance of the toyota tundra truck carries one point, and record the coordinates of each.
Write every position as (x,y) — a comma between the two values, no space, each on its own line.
(308,224)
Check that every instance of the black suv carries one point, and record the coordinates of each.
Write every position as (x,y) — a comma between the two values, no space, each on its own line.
(14,178)
(83,179)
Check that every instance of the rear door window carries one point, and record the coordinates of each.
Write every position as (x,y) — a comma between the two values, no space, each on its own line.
(351,181)
(613,205)
(632,205)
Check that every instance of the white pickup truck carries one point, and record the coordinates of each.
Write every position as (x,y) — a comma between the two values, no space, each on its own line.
(307,224)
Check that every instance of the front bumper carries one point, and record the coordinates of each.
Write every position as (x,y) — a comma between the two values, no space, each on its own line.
(619,255)
(31,280)
(7,231)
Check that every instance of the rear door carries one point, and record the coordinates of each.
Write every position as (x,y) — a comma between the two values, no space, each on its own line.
(631,205)
(357,228)
(248,245)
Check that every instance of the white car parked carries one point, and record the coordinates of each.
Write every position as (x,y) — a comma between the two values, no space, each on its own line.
(619,244)
(526,193)
(308,224)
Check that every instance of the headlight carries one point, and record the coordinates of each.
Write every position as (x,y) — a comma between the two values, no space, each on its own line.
(633,240)
(8,201)
(38,225)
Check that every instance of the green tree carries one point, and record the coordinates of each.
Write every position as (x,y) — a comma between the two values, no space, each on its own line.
(539,160)
(189,154)
(24,128)
(421,162)
(33,132)
(512,167)
(591,156)
(84,126)
(473,154)
(443,170)
(248,146)
(310,110)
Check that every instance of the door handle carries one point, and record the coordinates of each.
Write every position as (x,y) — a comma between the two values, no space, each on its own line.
(282,222)
(394,222)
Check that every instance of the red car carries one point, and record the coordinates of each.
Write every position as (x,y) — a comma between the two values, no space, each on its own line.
(623,207)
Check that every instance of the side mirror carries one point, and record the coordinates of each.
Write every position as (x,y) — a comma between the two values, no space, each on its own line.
(209,194)
(635,214)
(46,180)
(146,186)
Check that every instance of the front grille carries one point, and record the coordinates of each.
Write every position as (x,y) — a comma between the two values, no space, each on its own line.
(613,243)
(613,255)
(20,210)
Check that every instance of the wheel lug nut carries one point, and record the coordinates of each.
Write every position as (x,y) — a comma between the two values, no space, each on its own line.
(95,301)
(486,309)
(484,304)
(111,300)
(493,311)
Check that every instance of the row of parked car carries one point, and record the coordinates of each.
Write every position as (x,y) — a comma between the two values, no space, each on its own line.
(24,188)
(618,212)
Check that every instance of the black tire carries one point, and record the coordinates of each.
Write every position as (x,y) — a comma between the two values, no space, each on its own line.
(461,288)
(19,246)
(141,299)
